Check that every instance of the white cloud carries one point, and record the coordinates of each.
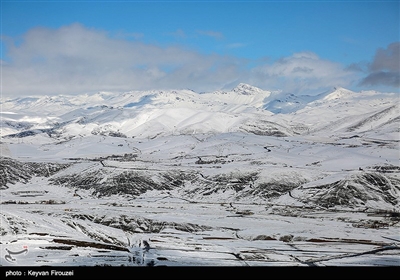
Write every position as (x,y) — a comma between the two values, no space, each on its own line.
(76,59)
(236,45)
(303,71)
(214,34)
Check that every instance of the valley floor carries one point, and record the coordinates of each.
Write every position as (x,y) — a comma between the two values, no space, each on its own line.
(163,230)
(225,200)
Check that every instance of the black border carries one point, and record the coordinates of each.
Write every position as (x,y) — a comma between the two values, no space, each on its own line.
(207,272)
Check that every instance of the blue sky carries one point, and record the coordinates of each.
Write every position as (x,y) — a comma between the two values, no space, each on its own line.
(304,47)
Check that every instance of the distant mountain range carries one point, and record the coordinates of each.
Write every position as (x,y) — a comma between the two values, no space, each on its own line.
(245,108)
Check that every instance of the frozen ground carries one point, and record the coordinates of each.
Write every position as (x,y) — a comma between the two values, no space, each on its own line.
(99,188)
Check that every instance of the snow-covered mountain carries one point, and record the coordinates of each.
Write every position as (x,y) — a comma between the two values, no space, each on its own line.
(127,178)
(244,108)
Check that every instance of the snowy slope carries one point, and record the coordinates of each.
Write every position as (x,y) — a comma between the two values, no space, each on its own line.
(245,108)
(132,113)
(242,177)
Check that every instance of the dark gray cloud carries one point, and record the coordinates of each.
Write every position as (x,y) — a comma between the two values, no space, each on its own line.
(387,59)
(382,78)
(385,67)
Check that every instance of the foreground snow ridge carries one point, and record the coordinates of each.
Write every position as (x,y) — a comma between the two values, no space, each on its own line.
(246,177)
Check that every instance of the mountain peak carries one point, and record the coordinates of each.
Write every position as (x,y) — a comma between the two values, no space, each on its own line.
(246,89)
(338,92)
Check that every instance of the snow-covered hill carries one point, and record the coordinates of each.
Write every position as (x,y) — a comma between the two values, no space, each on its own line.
(186,178)
(244,108)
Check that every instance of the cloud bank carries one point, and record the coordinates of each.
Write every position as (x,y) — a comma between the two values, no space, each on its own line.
(76,59)
(302,72)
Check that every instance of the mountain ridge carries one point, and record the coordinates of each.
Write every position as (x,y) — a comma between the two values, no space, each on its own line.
(159,112)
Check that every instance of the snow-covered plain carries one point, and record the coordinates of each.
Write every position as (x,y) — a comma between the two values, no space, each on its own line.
(240,178)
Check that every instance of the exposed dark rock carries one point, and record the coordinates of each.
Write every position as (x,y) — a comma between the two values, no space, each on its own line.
(12,171)
(358,190)
(144,225)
